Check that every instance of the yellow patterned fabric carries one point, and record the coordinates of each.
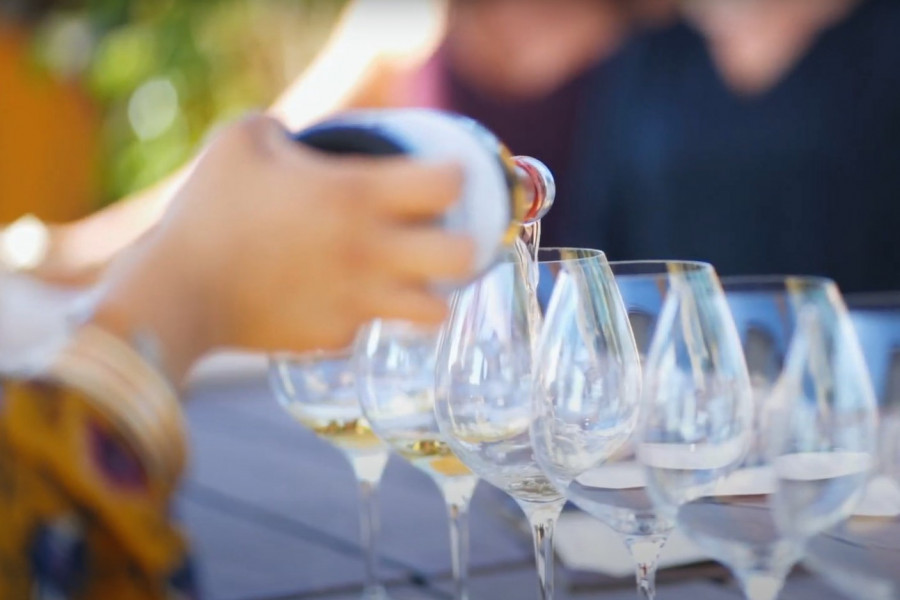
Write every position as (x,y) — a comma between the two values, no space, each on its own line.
(90,454)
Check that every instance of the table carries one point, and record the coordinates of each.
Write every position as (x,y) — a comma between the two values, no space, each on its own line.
(272,513)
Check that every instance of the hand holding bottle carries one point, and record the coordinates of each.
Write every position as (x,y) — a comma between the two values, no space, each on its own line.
(271,245)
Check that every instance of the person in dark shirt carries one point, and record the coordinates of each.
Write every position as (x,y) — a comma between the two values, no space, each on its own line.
(762,136)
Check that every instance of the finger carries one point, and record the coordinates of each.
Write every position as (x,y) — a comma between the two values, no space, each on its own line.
(402,189)
(413,304)
(256,130)
(269,130)
(425,254)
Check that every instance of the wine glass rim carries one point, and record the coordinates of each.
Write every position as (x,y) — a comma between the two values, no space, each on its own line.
(887,301)
(690,265)
(312,355)
(585,254)
(774,281)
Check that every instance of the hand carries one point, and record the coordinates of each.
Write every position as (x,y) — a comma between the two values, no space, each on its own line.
(270,245)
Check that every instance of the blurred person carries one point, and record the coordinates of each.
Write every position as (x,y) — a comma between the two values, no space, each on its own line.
(760,135)
(42,117)
(518,66)
(522,69)
(268,246)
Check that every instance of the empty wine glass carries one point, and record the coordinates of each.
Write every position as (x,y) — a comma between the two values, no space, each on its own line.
(586,406)
(681,304)
(860,557)
(395,365)
(319,390)
(751,477)
(483,399)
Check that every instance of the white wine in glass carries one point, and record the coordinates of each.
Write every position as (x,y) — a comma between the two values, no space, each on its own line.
(319,391)
(485,400)
(395,365)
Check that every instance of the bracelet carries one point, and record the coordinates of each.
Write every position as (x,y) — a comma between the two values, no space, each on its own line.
(131,393)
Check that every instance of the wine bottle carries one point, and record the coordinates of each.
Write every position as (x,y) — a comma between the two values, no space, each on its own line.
(500,192)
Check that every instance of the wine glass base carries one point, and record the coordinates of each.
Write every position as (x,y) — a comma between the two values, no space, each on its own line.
(374,593)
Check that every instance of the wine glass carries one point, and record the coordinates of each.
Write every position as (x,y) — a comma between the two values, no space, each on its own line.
(483,394)
(673,300)
(586,407)
(751,481)
(395,365)
(319,390)
(861,556)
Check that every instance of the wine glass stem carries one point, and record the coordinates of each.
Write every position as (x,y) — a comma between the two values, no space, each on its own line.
(645,551)
(368,533)
(457,492)
(761,585)
(459,546)
(543,517)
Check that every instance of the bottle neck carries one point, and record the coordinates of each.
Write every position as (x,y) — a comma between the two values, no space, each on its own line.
(539,189)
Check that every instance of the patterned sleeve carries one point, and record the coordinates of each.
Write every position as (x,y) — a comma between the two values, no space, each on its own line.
(90,455)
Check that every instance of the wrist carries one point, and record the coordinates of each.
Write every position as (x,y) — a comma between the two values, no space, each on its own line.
(153,302)
(47,252)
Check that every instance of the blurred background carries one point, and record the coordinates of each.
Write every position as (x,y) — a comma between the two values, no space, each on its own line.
(762,136)
(101,98)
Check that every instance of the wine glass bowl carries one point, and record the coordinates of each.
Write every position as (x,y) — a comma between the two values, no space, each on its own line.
(484,382)
(320,391)
(587,387)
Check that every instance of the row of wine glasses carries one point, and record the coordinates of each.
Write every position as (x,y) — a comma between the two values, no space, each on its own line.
(381,399)
(648,394)
(802,447)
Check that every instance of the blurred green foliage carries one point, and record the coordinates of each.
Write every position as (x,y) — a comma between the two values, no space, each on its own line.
(165,71)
